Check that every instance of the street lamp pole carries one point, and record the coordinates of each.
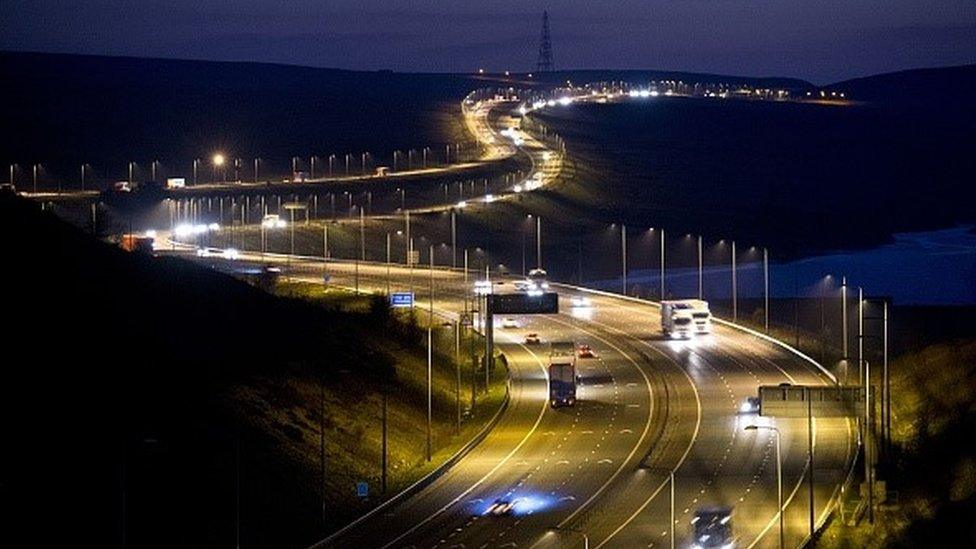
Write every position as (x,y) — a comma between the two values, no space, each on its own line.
(662,264)
(812,516)
(430,350)
(457,370)
(325,247)
(454,239)
(538,242)
(843,313)
(671,526)
(388,264)
(701,293)
(766,289)
(623,255)
(860,336)
(362,234)
(384,449)
(779,477)
(886,386)
(735,295)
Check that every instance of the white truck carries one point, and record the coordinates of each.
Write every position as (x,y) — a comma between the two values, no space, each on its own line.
(685,318)
(562,374)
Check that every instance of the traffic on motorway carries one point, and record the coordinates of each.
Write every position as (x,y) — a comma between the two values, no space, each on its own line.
(630,423)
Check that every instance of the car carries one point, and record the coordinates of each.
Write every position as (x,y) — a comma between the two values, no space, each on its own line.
(750,405)
(585,351)
(532,339)
(580,301)
(524,285)
(712,528)
(509,323)
(501,507)
(231,254)
(209,252)
(273,221)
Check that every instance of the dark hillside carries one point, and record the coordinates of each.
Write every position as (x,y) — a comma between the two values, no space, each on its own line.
(65,110)
(113,406)
(62,110)
(946,87)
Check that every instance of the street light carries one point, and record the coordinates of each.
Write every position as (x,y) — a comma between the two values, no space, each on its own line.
(779,475)
(586,538)
(218,163)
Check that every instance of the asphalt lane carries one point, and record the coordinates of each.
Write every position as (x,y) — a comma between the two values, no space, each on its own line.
(648,407)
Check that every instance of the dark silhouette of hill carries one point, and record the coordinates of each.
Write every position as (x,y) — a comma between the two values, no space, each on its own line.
(114,372)
(63,110)
(936,88)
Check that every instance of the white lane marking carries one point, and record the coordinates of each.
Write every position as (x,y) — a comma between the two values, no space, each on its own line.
(691,444)
(647,424)
(538,420)
(742,347)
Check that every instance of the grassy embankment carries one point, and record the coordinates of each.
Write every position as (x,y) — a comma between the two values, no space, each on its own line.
(354,412)
(151,397)
(932,465)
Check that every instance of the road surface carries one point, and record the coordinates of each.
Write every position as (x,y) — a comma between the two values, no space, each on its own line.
(647,407)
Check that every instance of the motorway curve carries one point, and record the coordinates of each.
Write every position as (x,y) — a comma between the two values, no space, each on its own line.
(647,407)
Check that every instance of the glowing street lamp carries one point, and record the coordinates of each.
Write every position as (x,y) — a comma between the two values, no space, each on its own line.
(218,161)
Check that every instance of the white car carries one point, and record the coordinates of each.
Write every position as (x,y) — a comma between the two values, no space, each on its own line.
(273,221)
(580,301)
(228,253)
(209,252)
(509,323)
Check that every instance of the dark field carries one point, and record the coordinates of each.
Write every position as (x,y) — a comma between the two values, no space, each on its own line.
(796,177)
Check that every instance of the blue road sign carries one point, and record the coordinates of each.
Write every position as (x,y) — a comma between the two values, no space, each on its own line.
(362,489)
(401,299)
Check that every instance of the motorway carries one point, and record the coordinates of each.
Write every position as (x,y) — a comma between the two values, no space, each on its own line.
(648,407)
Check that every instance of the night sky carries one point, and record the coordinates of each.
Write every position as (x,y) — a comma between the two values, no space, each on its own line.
(820,40)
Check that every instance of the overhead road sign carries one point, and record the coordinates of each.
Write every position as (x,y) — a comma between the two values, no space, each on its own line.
(524,304)
(791,401)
